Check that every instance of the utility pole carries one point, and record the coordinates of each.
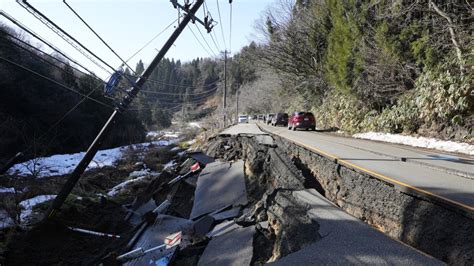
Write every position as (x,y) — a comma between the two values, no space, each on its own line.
(237,107)
(125,102)
(224,108)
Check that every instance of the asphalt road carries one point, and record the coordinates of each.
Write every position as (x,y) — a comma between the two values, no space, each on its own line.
(348,241)
(442,176)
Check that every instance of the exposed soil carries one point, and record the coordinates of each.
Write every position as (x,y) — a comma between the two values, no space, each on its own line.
(52,243)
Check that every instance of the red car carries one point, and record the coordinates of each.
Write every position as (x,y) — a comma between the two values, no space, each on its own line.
(302,120)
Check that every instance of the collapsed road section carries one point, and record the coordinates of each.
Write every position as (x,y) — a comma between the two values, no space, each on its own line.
(247,199)
(275,166)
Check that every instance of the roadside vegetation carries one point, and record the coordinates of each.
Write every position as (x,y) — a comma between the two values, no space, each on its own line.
(390,66)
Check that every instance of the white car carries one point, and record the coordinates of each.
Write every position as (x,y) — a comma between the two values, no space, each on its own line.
(243,119)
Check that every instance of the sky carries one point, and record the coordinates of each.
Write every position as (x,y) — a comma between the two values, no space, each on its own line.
(127,25)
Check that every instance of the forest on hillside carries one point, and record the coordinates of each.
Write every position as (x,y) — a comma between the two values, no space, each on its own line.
(49,105)
(367,65)
(359,65)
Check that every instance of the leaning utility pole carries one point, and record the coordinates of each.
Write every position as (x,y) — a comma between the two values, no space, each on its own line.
(125,102)
(224,108)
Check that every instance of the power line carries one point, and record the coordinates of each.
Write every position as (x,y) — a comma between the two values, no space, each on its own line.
(230,27)
(220,20)
(217,39)
(205,41)
(54,48)
(46,54)
(197,39)
(217,46)
(156,36)
(170,93)
(64,35)
(95,33)
(55,82)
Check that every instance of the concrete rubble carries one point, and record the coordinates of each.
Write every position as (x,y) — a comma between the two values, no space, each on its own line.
(253,204)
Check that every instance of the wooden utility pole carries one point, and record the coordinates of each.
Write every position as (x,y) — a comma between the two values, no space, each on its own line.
(224,104)
(237,107)
(125,102)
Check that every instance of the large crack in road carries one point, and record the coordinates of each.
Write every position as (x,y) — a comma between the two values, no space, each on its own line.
(286,185)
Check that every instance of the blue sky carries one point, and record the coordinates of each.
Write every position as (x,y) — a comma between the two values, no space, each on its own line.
(128,24)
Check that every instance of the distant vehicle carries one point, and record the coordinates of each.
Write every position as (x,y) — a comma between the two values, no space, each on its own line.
(261,117)
(268,118)
(254,117)
(304,120)
(243,119)
(280,119)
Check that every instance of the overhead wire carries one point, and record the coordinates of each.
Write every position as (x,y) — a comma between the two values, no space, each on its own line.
(197,39)
(55,82)
(217,46)
(35,35)
(64,35)
(97,35)
(220,24)
(148,43)
(205,41)
(171,93)
(230,26)
(46,54)
(217,39)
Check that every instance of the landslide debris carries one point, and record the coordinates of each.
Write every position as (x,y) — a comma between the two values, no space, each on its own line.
(283,225)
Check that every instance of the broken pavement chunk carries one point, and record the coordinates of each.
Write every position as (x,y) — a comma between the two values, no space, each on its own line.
(224,215)
(203,226)
(220,184)
(233,248)
(223,228)
(155,233)
(201,158)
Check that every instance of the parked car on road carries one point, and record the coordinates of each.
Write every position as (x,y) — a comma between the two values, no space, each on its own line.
(268,118)
(243,119)
(280,119)
(260,117)
(304,120)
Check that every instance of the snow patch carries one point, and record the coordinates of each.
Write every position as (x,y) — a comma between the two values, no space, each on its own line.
(7,190)
(430,143)
(195,124)
(169,165)
(162,134)
(122,186)
(63,164)
(144,172)
(28,205)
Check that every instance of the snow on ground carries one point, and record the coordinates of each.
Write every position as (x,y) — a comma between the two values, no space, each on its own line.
(28,205)
(162,134)
(430,143)
(170,164)
(62,164)
(144,172)
(7,190)
(135,177)
(195,124)
(118,188)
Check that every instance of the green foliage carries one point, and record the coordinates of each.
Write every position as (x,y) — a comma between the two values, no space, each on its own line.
(342,59)
(340,110)
(439,98)
(423,52)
